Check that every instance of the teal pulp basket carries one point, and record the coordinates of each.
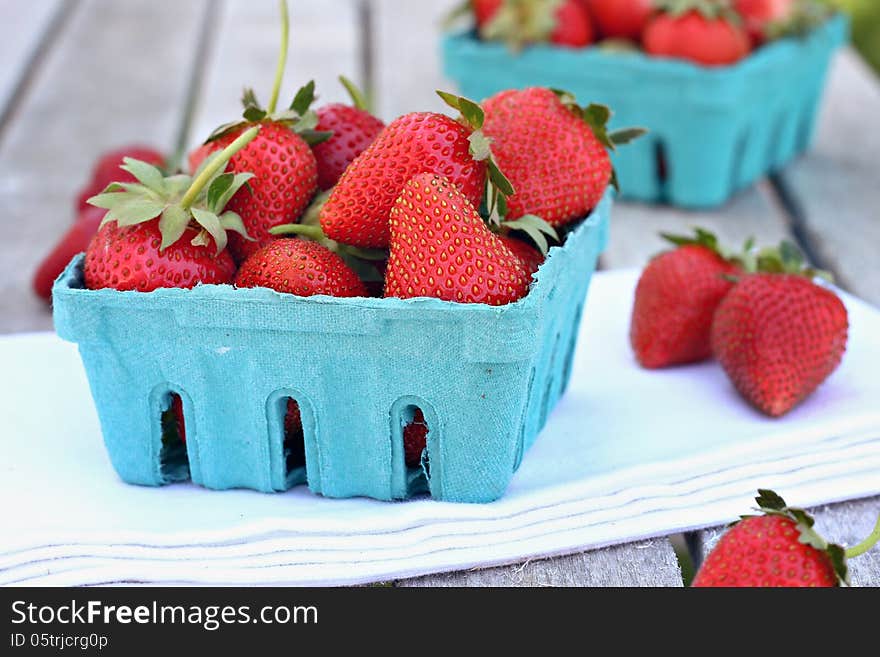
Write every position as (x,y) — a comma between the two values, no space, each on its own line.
(484,377)
(713,131)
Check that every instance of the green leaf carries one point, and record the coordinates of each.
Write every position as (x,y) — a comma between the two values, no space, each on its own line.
(218,188)
(357,96)
(480,146)
(249,98)
(172,225)
(838,561)
(792,257)
(254,114)
(136,211)
(470,111)
(314,137)
(626,135)
(304,98)
(499,179)
(201,238)
(308,121)
(769,500)
(177,185)
(597,115)
(230,220)
(211,223)
(224,130)
(105,200)
(239,180)
(146,174)
(463,9)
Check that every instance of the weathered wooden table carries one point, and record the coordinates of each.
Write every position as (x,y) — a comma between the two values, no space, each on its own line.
(80,76)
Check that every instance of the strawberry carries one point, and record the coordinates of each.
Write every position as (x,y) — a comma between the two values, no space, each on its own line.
(75,240)
(107,170)
(554,152)
(522,22)
(484,10)
(621,19)
(778,548)
(415,435)
(166,232)
(779,335)
(675,301)
(284,167)
(770,19)
(356,213)
(300,267)
(703,31)
(530,257)
(440,247)
(353,129)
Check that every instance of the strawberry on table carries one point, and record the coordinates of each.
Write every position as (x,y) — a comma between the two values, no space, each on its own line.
(284,167)
(706,32)
(778,548)
(554,152)
(300,267)
(167,232)
(676,298)
(778,334)
(356,212)
(353,129)
(442,248)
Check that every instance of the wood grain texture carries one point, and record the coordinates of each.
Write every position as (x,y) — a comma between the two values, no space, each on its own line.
(245,53)
(647,563)
(95,90)
(836,188)
(22,31)
(846,523)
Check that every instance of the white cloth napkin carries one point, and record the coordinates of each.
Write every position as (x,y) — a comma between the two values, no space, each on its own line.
(627,454)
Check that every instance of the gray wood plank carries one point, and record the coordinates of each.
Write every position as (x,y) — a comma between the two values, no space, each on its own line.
(118,73)
(836,188)
(847,523)
(646,563)
(22,31)
(246,51)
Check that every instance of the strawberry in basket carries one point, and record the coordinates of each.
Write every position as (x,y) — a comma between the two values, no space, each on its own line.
(707,32)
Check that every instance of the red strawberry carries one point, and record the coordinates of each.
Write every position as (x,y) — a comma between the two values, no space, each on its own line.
(131,258)
(285,179)
(758,14)
(166,232)
(528,255)
(675,300)
(484,10)
(521,22)
(415,436)
(780,548)
(353,128)
(177,410)
(107,170)
(357,211)
(708,34)
(553,152)
(778,336)
(300,267)
(440,247)
(75,240)
(621,19)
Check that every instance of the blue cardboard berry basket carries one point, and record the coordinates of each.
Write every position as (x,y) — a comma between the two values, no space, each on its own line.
(713,131)
(484,377)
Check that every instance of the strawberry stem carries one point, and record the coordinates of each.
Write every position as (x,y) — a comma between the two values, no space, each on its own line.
(216,164)
(312,232)
(867,544)
(282,58)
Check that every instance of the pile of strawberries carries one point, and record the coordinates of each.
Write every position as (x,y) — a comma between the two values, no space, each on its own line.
(709,32)
(777,331)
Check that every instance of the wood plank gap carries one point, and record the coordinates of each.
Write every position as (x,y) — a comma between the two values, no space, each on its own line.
(365,32)
(204,53)
(34,63)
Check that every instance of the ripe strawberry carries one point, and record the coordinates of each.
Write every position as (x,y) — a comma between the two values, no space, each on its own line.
(521,22)
(758,14)
(621,19)
(484,10)
(675,301)
(528,255)
(779,548)
(704,32)
(300,267)
(107,170)
(553,152)
(284,167)
(353,129)
(356,213)
(778,336)
(415,435)
(440,247)
(140,243)
(75,240)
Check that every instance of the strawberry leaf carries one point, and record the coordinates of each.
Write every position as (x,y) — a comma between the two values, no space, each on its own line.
(136,211)
(230,220)
(172,225)
(211,223)
(471,112)
(304,98)
(146,174)
(626,135)
(218,187)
